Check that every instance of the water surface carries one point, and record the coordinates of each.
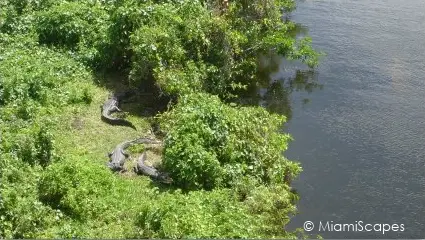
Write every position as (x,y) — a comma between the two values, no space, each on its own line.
(361,139)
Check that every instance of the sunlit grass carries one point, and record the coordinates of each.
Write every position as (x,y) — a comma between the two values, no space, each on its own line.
(83,133)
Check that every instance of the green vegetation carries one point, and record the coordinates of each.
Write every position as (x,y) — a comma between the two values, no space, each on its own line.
(210,144)
(58,62)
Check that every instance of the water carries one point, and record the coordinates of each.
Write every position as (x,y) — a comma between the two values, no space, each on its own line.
(361,139)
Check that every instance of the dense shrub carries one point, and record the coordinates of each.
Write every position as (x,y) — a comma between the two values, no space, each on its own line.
(225,46)
(17,16)
(27,6)
(94,203)
(22,215)
(32,144)
(198,214)
(218,214)
(81,190)
(34,77)
(75,186)
(192,49)
(169,46)
(126,16)
(211,144)
(177,46)
(34,83)
(77,26)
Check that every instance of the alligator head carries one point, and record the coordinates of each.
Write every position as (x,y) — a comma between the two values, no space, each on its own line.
(114,166)
(165,178)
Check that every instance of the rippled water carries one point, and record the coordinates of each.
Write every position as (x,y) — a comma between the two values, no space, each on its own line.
(361,140)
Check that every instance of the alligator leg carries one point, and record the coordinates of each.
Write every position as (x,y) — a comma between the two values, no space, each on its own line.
(115,108)
(124,153)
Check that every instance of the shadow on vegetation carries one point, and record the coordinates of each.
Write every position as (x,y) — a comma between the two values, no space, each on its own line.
(146,100)
(163,187)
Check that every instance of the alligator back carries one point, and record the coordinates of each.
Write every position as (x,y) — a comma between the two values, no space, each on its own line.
(118,156)
(117,159)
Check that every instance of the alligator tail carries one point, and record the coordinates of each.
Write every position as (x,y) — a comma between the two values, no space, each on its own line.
(152,172)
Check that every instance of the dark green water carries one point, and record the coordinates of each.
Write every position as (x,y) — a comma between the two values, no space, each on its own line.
(361,139)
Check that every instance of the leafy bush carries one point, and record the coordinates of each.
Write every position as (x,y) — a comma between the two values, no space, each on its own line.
(172,44)
(27,6)
(224,46)
(31,144)
(74,186)
(272,205)
(17,16)
(218,214)
(32,77)
(77,26)
(126,16)
(34,83)
(94,202)
(210,144)
(171,41)
(196,215)
(188,48)
(103,205)
(22,215)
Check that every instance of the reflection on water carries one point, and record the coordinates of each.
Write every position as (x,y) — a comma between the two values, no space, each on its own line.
(278,79)
(276,99)
(277,95)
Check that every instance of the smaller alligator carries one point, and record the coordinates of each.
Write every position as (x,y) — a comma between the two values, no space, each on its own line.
(118,156)
(142,168)
(111,106)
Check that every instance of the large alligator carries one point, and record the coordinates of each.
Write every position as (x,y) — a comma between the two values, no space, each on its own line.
(111,106)
(142,168)
(117,157)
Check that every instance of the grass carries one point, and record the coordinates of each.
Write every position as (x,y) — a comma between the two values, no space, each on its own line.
(85,138)
(83,133)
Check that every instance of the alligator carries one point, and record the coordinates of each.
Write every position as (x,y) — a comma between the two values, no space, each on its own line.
(142,168)
(111,106)
(118,156)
